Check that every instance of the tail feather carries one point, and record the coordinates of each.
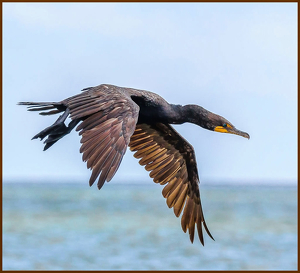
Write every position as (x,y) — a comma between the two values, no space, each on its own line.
(55,107)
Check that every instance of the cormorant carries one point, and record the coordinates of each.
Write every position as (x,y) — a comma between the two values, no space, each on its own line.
(113,118)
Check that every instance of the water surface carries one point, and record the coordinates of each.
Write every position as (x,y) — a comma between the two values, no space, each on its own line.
(53,226)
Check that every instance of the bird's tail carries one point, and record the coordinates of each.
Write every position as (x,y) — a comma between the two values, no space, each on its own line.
(58,129)
(54,107)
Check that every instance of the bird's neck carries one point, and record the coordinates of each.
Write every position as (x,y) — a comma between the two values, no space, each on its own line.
(189,113)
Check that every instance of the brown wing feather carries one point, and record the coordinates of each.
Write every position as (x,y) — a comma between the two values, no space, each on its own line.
(171,160)
(109,119)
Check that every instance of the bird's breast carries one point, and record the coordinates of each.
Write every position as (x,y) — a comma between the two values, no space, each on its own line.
(152,114)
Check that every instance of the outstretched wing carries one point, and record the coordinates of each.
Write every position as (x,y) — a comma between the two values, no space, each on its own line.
(171,160)
(109,119)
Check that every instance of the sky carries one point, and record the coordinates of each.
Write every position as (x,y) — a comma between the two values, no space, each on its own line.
(236,60)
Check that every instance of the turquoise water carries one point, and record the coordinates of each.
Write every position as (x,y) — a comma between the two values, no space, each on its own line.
(73,227)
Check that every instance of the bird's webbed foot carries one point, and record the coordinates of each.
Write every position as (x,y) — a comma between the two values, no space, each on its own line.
(57,130)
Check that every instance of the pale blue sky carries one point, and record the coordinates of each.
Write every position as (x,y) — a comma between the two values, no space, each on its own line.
(237,60)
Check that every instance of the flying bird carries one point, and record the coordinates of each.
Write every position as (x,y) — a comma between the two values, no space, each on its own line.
(111,118)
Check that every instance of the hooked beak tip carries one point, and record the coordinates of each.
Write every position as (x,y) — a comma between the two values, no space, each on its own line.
(244,134)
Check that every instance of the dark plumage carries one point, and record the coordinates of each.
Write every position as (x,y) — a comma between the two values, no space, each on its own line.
(113,118)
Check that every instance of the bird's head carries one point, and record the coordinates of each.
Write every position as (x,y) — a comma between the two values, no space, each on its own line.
(221,125)
(211,121)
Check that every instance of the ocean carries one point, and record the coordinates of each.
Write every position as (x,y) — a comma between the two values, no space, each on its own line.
(70,226)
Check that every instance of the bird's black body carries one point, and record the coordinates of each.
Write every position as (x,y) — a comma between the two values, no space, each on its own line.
(110,118)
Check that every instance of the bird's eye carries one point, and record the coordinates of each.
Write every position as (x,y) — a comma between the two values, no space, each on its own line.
(224,125)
